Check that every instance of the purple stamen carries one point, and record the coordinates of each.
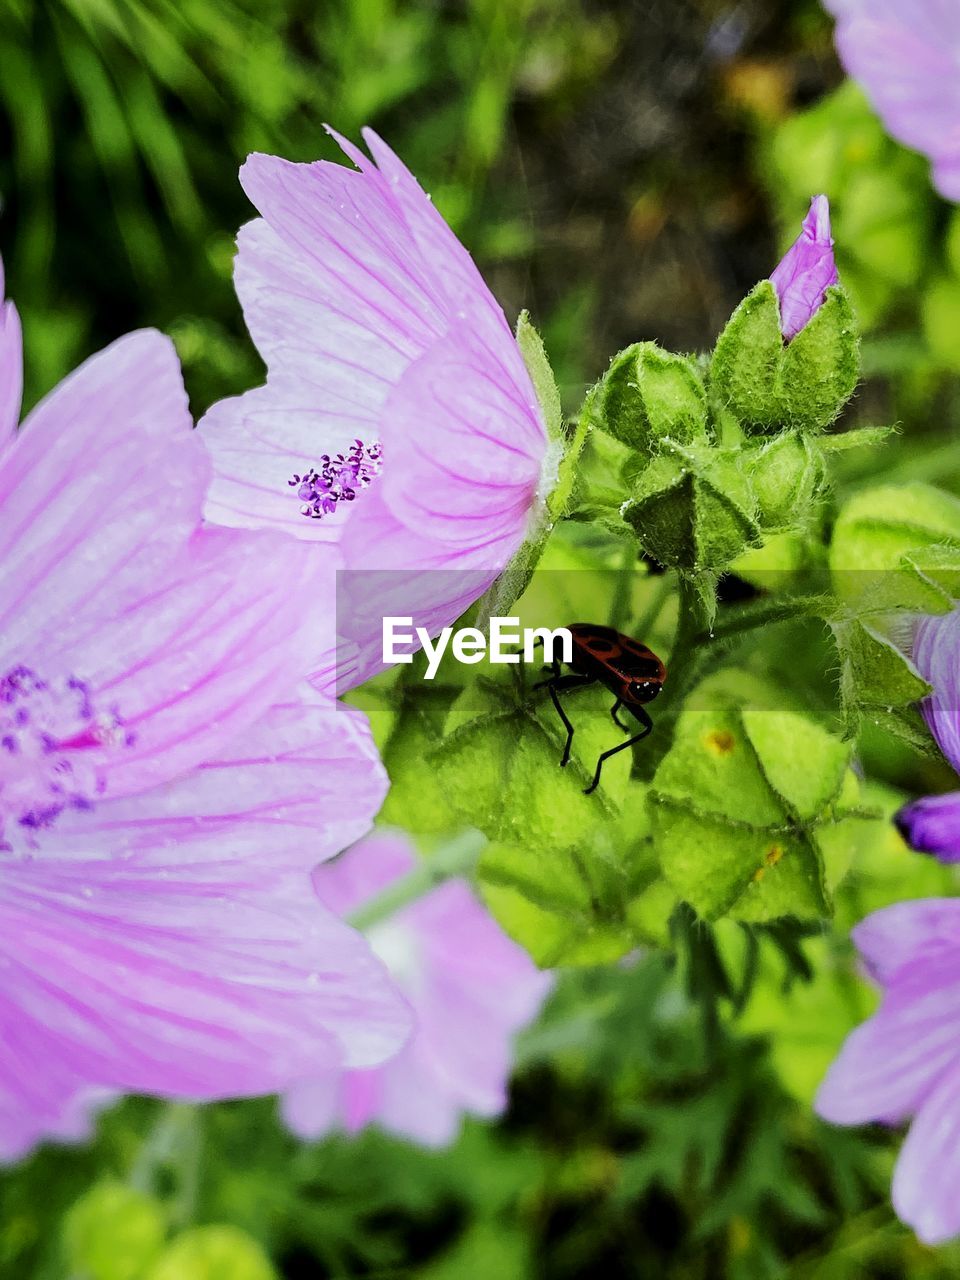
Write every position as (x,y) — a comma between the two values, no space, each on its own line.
(52,741)
(337,479)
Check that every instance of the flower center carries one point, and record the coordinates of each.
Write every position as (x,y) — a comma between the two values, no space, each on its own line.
(337,479)
(51,743)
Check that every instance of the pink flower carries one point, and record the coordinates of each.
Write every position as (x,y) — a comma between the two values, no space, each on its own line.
(905,1060)
(470,988)
(806,270)
(906,54)
(398,420)
(161,791)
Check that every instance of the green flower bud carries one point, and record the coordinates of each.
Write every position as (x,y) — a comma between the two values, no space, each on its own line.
(693,508)
(787,476)
(804,383)
(649,395)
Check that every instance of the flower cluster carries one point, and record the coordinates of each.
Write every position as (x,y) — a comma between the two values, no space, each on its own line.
(168,778)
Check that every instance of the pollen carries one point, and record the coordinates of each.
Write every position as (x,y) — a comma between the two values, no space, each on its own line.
(53,745)
(337,479)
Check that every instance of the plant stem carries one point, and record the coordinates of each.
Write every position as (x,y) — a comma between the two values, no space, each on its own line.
(686,654)
(457,858)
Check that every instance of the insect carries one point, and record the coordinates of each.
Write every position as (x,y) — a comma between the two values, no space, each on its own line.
(631,671)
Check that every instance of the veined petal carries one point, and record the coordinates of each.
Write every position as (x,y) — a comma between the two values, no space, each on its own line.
(98,493)
(935,648)
(295,789)
(473,478)
(197,981)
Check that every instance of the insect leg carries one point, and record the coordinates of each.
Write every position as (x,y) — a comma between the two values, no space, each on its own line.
(555,668)
(613,712)
(565,682)
(647,727)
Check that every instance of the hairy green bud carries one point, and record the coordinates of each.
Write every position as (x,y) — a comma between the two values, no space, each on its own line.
(693,508)
(787,475)
(650,395)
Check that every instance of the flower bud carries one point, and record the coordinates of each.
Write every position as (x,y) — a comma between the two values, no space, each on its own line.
(649,395)
(806,271)
(693,509)
(789,355)
(787,475)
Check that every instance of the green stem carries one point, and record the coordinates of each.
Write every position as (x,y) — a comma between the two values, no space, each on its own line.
(174,1143)
(457,858)
(686,658)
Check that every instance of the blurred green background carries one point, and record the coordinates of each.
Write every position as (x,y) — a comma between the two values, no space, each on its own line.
(626,170)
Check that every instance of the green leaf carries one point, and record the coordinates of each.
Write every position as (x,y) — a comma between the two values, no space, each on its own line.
(213,1253)
(541,375)
(113,1233)
(563,869)
(737,805)
(875,675)
(882,537)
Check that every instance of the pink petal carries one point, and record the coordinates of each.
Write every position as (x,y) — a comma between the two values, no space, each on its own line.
(197,981)
(303,783)
(896,936)
(887,1066)
(928,1171)
(11,367)
(470,480)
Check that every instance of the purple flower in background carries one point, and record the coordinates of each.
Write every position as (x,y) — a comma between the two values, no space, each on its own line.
(932,824)
(906,54)
(398,420)
(161,792)
(470,988)
(905,1060)
(806,270)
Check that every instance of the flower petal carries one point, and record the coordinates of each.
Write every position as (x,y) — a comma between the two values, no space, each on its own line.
(932,825)
(11,367)
(936,644)
(806,271)
(887,1066)
(195,981)
(472,480)
(298,787)
(928,1171)
(895,936)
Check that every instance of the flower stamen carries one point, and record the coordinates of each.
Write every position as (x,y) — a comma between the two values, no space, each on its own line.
(337,479)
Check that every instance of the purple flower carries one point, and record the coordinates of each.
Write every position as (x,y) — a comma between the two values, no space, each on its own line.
(161,792)
(906,54)
(905,1060)
(398,420)
(806,270)
(932,824)
(470,987)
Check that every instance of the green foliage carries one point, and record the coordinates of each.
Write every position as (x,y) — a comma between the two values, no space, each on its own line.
(741,804)
(212,1253)
(113,1233)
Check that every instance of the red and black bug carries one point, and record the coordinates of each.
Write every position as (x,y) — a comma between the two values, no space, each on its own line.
(631,671)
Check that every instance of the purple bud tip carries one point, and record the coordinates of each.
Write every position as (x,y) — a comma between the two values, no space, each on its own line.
(321,489)
(806,271)
(932,825)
